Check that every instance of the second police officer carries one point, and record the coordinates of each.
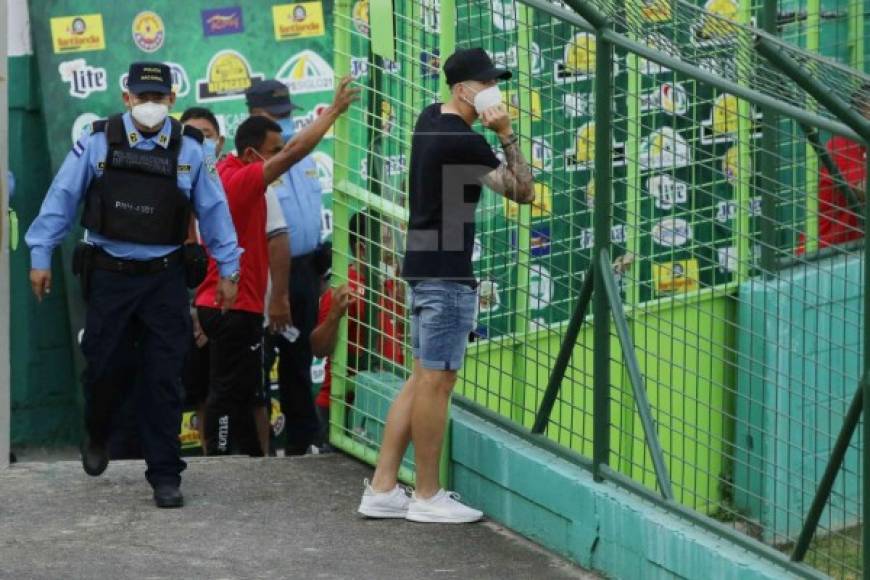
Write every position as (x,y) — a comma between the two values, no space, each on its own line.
(299,192)
(139,175)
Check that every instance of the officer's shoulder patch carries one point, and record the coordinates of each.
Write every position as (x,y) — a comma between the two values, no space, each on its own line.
(183,168)
(78,148)
(193,133)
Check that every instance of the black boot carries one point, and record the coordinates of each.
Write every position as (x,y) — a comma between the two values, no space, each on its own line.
(167,495)
(95,457)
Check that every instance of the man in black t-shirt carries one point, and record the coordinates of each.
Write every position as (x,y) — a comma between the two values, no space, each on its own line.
(450,163)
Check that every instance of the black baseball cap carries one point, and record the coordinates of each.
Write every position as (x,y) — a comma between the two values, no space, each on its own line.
(149,77)
(472,64)
(272,96)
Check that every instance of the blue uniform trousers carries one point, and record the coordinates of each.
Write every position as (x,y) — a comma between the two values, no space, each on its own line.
(156,305)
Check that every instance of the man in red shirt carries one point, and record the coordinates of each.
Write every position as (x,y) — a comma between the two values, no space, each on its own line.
(236,335)
(838,222)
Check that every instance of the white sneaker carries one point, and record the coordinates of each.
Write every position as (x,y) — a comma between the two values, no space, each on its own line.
(387,504)
(442,508)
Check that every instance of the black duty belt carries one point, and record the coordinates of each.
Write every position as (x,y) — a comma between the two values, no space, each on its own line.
(103,261)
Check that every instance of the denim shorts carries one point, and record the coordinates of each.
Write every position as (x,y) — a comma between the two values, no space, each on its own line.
(442,317)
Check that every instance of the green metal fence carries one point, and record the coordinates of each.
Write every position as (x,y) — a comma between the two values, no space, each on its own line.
(667,309)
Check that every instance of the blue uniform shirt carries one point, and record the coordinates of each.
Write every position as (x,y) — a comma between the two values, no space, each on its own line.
(196,176)
(299,193)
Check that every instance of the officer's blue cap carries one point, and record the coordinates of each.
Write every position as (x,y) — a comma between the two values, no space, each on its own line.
(272,96)
(149,77)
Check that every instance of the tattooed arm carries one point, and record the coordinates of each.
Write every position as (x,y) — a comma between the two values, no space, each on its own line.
(513,178)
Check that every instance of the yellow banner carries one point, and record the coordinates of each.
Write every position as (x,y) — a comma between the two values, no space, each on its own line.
(78,33)
(298,20)
(679,276)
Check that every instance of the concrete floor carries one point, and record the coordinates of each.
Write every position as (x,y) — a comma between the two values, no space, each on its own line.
(244,518)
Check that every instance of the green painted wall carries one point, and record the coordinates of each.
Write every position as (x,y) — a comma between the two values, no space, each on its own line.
(685,353)
(44,386)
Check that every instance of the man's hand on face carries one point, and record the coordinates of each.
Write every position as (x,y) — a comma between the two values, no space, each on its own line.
(497,119)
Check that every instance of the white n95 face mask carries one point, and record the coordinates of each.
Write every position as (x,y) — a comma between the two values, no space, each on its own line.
(150,114)
(487,98)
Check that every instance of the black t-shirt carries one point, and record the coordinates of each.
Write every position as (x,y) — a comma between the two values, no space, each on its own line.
(448,160)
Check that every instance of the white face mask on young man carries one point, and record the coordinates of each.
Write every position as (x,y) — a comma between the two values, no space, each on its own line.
(150,114)
(485,99)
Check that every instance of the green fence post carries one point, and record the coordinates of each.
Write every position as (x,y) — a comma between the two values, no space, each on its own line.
(865,385)
(446,46)
(856,34)
(811,169)
(524,221)
(769,164)
(744,157)
(340,238)
(602,220)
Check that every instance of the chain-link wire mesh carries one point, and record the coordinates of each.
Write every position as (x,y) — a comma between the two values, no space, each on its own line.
(834,28)
(737,255)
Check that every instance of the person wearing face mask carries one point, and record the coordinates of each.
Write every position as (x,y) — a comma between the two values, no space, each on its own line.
(197,367)
(300,196)
(235,337)
(139,175)
(450,163)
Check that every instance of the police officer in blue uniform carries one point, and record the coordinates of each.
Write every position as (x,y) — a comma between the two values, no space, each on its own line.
(138,176)
(300,195)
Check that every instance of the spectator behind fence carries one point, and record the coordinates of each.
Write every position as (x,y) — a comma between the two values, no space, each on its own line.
(449,164)
(839,222)
(334,304)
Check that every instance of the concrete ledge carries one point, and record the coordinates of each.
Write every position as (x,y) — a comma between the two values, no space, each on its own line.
(597,525)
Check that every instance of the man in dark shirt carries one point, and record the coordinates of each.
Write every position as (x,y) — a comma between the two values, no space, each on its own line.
(450,163)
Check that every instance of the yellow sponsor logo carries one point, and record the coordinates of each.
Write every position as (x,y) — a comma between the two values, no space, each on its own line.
(656,10)
(77,33)
(716,26)
(148,31)
(542,207)
(512,102)
(361,16)
(300,20)
(189,435)
(228,77)
(678,276)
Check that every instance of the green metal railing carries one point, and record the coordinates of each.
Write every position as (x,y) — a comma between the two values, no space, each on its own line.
(668,313)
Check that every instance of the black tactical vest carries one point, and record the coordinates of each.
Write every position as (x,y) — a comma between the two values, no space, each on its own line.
(137,198)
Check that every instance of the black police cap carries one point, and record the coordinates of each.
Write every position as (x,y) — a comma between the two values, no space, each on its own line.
(472,64)
(272,96)
(149,77)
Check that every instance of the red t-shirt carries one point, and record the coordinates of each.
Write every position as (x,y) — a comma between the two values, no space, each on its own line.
(356,312)
(837,223)
(246,195)
(391,323)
